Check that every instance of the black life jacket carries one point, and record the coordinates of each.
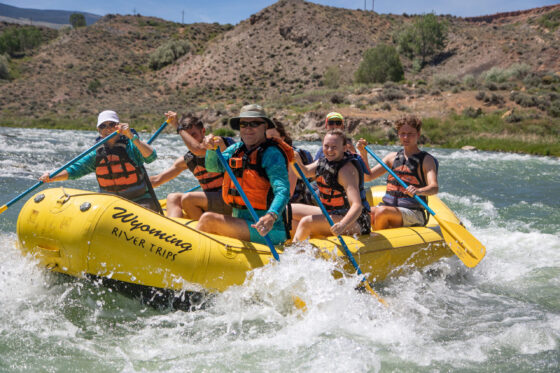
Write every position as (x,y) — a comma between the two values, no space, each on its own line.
(411,172)
(209,181)
(301,193)
(117,173)
(331,193)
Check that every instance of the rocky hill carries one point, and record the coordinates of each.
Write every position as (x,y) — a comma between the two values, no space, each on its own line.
(278,57)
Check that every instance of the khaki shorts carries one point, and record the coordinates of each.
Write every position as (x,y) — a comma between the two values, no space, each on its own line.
(412,218)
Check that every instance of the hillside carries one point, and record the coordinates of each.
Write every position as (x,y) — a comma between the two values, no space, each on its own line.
(278,57)
(51,17)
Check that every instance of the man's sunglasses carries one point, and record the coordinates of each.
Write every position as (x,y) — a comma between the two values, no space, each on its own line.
(250,124)
(335,123)
(102,126)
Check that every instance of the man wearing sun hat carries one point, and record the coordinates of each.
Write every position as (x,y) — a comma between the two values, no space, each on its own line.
(261,167)
(118,164)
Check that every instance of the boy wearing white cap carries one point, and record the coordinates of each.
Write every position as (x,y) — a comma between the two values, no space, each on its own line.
(118,164)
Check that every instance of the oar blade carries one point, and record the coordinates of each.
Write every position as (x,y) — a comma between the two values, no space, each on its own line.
(462,243)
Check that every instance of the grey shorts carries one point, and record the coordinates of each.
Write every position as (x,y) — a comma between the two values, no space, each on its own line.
(412,218)
(364,220)
(216,203)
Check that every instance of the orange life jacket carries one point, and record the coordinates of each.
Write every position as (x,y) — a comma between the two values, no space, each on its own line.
(247,168)
(117,173)
(209,181)
(332,194)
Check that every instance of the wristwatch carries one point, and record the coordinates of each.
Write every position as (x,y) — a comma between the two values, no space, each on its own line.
(274,215)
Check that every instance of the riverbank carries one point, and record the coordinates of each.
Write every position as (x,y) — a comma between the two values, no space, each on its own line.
(492,132)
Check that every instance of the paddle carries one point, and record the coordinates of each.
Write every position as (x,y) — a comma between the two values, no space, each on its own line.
(150,187)
(246,200)
(156,134)
(53,174)
(299,303)
(459,240)
(342,242)
(193,189)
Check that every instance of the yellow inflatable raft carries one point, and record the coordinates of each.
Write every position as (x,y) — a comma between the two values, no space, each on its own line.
(83,233)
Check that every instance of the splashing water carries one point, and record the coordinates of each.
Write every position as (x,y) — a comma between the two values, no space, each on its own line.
(503,315)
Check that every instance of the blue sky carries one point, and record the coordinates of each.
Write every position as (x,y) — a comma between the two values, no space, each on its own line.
(234,11)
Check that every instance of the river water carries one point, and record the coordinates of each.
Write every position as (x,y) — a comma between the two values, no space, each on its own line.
(503,315)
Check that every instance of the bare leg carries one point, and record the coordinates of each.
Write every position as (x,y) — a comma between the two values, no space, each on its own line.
(299,211)
(384,217)
(174,209)
(212,222)
(315,226)
(194,204)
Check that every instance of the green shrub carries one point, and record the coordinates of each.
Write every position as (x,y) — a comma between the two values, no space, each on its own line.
(332,77)
(550,21)
(94,86)
(523,99)
(391,94)
(513,118)
(4,67)
(471,112)
(379,65)
(495,75)
(470,81)
(167,53)
(445,81)
(554,109)
(19,39)
(224,131)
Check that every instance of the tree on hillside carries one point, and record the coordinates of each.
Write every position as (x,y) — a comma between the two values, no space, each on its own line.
(380,64)
(16,40)
(424,39)
(77,20)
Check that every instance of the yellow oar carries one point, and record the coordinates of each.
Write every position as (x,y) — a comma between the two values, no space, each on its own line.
(459,240)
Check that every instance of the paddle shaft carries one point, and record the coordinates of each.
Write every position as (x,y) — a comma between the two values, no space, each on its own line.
(156,134)
(246,200)
(54,173)
(193,189)
(342,242)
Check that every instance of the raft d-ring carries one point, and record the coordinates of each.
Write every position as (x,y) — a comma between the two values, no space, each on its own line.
(64,198)
(39,197)
(85,206)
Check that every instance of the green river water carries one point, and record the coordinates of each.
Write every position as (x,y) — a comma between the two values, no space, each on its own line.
(502,316)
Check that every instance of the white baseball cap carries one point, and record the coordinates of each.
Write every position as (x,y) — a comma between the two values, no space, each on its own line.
(107,116)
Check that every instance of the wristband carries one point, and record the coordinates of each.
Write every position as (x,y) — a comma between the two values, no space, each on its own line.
(134,138)
(274,215)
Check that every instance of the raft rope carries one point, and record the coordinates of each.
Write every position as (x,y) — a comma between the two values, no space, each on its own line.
(225,245)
